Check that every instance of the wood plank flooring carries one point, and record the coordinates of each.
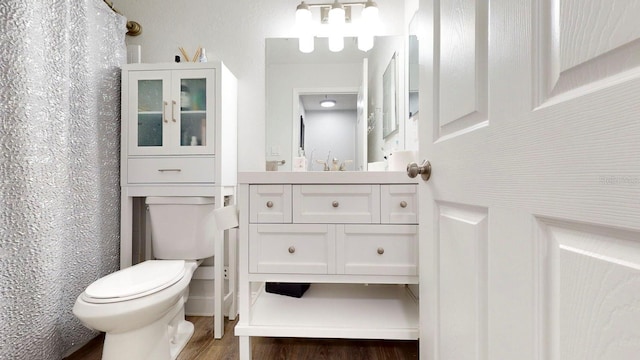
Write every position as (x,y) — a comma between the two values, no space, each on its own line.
(202,346)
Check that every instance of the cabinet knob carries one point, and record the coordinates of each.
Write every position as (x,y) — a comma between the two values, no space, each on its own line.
(335,204)
(380,250)
(403,204)
(292,249)
(269,204)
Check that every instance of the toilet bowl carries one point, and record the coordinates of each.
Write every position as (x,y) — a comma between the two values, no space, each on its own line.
(140,309)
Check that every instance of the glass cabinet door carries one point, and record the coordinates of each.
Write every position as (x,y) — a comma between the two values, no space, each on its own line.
(150,104)
(196,123)
(150,113)
(193,112)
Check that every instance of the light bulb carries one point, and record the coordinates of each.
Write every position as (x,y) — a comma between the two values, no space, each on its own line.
(365,42)
(336,23)
(336,14)
(370,13)
(303,16)
(336,43)
(305,43)
(303,24)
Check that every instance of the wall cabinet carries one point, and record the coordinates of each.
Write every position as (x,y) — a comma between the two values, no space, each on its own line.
(179,126)
(353,238)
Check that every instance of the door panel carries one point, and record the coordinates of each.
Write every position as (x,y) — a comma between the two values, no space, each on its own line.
(529,225)
(591,291)
(463,65)
(462,246)
(585,45)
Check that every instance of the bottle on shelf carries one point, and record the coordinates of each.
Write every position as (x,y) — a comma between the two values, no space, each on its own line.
(203,56)
(185,98)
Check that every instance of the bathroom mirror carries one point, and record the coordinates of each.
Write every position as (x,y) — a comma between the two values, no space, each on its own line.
(353,129)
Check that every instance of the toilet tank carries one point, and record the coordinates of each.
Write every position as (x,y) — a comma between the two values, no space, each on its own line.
(182,227)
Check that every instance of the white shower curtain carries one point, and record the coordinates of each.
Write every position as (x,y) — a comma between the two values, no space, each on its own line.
(59,167)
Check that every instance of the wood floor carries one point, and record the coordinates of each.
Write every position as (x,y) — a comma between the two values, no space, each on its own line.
(202,346)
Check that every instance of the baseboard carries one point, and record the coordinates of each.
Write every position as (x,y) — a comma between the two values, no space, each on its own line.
(199,306)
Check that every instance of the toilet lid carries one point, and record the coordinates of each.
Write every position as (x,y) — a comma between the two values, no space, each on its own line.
(136,281)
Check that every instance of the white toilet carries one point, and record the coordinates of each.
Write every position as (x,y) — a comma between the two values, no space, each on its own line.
(141,308)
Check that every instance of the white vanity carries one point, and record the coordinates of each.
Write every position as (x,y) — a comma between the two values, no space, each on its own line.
(352,235)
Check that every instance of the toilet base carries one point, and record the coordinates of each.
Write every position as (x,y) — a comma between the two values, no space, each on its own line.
(164,339)
(184,333)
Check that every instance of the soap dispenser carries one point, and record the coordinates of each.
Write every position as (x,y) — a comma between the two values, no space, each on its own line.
(300,162)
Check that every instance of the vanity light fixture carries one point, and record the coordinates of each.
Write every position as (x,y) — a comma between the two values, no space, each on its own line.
(333,18)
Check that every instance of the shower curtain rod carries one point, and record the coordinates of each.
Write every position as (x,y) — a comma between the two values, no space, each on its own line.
(133,28)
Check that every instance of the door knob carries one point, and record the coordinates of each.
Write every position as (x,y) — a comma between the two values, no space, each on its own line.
(423,169)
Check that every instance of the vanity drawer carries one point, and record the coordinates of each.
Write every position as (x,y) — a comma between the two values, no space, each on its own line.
(338,204)
(270,203)
(399,204)
(151,170)
(377,250)
(291,249)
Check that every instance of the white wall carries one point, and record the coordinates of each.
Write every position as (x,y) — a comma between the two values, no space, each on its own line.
(234,32)
(330,131)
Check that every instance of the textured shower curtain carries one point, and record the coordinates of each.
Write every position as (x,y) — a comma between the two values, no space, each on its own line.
(59,167)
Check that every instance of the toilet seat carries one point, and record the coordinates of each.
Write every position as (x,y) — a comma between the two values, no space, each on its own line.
(136,281)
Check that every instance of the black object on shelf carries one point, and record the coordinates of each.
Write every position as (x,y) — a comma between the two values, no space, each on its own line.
(287,289)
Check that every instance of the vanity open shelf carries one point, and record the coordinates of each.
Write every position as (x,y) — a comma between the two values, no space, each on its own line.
(352,235)
(326,310)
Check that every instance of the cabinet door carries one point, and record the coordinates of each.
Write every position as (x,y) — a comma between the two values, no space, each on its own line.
(340,204)
(399,204)
(194,111)
(292,248)
(377,249)
(149,112)
(270,203)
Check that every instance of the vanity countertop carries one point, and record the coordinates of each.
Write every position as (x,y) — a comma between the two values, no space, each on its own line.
(326,177)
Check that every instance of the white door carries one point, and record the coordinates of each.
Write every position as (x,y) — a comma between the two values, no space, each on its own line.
(530,223)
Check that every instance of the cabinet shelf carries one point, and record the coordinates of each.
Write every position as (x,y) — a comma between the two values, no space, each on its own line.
(380,311)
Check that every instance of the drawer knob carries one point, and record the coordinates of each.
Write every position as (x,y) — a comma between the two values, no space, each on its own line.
(269,204)
(292,249)
(335,204)
(380,250)
(403,204)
